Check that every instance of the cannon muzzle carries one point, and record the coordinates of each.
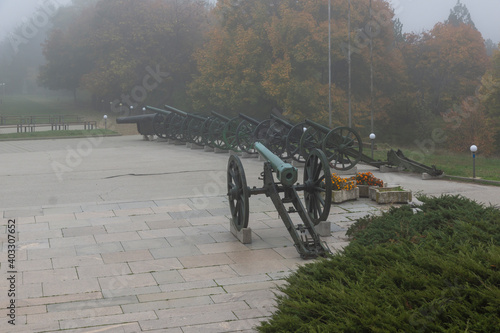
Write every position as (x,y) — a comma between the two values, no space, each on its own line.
(281,121)
(317,126)
(285,172)
(249,119)
(164,112)
(218,115)
(179,112)
(135,119)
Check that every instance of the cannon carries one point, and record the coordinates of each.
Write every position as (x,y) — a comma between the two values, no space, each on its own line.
(222,132)
(342,145)
(160,121)
(249,131)
(145,123)
(280,133)
(216,129)
(229,133)
(292,141)
(187,127)
(317,188)
(244,134)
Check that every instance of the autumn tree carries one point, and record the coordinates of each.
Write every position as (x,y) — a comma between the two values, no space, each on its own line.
(127,51)
(468,123)
(232,62)
(66,53)
(489,95)
(281,58)
(490,47)
(445,64)
(460,15)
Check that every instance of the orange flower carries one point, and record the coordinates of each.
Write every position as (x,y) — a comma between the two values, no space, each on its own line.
(340,183)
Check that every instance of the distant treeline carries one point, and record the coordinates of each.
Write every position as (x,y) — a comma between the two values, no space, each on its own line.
(436,88)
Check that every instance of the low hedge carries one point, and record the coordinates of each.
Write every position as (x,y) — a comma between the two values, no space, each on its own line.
(431,270)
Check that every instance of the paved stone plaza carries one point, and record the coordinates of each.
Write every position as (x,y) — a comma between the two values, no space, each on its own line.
(121,235)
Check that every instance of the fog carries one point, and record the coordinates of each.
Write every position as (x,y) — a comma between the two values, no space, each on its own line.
(416,16)
(421,15)
(14,13)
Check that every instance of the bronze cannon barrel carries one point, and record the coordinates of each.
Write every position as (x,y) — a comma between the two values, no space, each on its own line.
(285,172)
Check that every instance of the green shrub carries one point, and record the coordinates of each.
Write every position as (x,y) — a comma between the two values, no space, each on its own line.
(430,271)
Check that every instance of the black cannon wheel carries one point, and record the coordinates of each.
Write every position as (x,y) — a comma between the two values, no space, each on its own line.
(178,124)
(194,131)
(293,142)
(244,137)
(167,123)
(205,132)
(310,140)
(260,132)
(230,132)
(277,138)
(159,125)
(317,186)
(343,148)
(237,192)
(215,134)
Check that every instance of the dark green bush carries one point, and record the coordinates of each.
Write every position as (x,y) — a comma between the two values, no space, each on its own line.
(436,270)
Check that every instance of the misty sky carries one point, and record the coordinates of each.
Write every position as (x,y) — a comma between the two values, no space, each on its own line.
(419,15)
(12,12)
(416,15)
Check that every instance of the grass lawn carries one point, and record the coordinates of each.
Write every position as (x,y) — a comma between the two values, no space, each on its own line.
(453,164)
(37,105)
(30,105)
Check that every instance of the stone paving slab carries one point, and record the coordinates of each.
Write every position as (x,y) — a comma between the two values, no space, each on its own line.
(107,251)
(163,273)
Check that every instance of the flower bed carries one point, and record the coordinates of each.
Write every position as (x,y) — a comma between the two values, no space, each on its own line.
(344,189)
(365,181)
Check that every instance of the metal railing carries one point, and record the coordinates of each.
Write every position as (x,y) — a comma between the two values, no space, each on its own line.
(55,122)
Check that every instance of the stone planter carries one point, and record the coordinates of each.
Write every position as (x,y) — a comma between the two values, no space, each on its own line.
(390,195)
(364,190)
(345,195)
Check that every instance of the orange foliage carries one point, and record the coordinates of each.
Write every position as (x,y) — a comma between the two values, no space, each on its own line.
(467,125)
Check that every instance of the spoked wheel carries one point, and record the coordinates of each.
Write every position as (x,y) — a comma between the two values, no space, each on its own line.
(317,186)
(237,192)
(194,131)
(343,147)
(175,128)
(205,132)
(244,138)
(310,140)
(159,125)
(260,132)
(229,133)
(277,138)
(293,142)
(184,129)
(215,134)
(168,124)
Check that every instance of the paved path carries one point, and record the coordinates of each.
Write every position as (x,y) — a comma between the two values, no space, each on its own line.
(122,235)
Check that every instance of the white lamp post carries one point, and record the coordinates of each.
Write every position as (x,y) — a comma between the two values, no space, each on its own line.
(372,138)
(105,121)
(473,149)
(143,110)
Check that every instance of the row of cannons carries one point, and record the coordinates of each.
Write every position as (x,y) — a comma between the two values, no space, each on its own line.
(342,145)
(276,141)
